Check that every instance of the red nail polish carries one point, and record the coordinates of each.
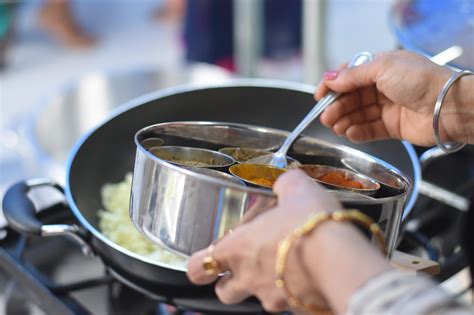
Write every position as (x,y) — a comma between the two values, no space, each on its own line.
(330,75)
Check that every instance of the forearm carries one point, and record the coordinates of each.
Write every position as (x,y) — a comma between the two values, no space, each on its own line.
(457,114)
(340,261)
(355,279)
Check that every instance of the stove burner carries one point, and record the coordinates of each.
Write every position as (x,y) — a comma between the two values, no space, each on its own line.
(32,269)
(32,266)
(203,302)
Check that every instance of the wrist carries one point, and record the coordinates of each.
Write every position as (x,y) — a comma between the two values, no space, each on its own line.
(311,256)
(457,113)
(335,253)
(302,264)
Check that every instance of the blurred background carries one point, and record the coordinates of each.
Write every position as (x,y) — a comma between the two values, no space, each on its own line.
(66,65)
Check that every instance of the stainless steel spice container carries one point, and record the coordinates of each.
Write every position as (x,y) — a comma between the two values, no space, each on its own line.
(187,211)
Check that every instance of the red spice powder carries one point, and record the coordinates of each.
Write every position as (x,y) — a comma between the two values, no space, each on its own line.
(340,179)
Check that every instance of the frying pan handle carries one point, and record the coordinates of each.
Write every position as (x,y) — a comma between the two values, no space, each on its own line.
(20,213)
(18,208)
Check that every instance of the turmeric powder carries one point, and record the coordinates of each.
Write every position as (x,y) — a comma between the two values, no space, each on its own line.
(263,181)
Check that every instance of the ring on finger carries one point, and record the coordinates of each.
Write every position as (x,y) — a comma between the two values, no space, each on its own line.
(210,264)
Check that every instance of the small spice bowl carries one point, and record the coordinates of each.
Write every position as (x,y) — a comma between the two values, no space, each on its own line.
(192,157)
(217,174)
(378,172)
(341,179)
(241,155)
(256,174)
(151,143)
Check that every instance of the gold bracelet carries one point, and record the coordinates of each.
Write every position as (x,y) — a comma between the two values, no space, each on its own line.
(315,220)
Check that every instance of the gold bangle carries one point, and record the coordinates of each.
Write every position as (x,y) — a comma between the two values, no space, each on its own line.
(315,220)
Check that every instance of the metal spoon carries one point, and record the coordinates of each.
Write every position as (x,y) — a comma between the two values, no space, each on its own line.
(278,159)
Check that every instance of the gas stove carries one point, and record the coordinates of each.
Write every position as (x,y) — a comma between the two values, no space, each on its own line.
(433,228)
(51,276)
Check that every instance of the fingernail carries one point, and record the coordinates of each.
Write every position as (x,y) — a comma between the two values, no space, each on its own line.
(330,75)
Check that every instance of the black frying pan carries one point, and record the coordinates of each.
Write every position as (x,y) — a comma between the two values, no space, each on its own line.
(107,154)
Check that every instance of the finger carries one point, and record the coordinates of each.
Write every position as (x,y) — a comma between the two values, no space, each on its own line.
(348,80)
(363,115)
(227,252)
(343,106)
(256,206)
(371,131)
(322,89)
(196,273)
(348,103)
(275,306)
(230,290)
(273,301)
(294,184)
(288,179)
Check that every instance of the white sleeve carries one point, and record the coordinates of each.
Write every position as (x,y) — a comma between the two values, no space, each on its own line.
(398,292)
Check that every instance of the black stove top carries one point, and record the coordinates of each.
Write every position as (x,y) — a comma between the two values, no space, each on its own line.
(51,276)
(433,228)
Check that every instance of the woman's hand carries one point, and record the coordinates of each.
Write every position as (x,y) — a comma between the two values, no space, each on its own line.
(249,252)
(393,97)
(324,268)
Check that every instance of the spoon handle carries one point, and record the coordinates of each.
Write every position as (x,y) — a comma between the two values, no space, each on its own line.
(331,96)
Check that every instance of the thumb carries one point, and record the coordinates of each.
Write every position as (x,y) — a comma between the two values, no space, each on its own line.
(294,185)
(349,80)
(295,189)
